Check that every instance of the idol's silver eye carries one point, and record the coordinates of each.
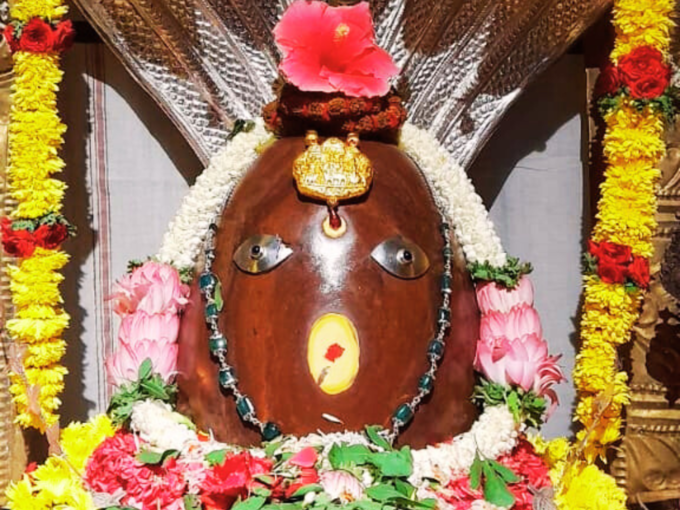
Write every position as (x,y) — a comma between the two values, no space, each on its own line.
(261,253)
(401,257)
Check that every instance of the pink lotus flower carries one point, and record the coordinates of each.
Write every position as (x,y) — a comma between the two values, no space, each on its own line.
(518,322)
(142,326)
(521,361)
(492,297)
(342,486)
(123,366)
(151,288)
(332,49)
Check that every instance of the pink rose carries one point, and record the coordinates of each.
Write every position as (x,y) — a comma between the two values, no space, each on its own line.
(142,326)
(518,322)
(332,49)
(123,365)
(492,297)
(151,288)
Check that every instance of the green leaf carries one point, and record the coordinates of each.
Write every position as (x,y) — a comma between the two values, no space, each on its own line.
(283,506)
(271,448)
(261,491)
(266,479)
(365,504)
(192,502)
(219,300)
(393,463)
(145,369)
(251,503)
(428,503)
(344,456)
(495,490)
(404,488)
(476,473)
(383,492)
(151,457)
(315,487)
(504,472)
(216,458)
(373,433)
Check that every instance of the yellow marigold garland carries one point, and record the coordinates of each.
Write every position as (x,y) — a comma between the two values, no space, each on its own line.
(625,223)
(35,138)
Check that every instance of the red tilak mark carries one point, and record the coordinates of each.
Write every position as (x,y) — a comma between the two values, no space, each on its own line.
(334,219)
(334,352)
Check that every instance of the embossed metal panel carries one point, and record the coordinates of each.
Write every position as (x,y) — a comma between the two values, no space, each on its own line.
(209,62)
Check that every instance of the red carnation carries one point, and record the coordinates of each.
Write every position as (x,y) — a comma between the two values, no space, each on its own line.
(645,73)
(12,41)
(51,236)
(37,37)
(639,272)
(223,484)
(610,252)
(608,82)
(611,272)
(64,35)
(17,243)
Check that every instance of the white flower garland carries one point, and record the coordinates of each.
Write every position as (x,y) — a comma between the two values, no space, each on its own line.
(450,185)
(184,238)
(456,196)
(493,435)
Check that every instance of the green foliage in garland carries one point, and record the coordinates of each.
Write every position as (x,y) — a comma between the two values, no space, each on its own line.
(525,406)
(508,275)
(147,386)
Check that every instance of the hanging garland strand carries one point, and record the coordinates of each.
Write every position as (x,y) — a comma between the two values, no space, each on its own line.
(636,103)
(36,229)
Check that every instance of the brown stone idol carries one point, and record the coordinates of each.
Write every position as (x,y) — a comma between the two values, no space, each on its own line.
(268,317)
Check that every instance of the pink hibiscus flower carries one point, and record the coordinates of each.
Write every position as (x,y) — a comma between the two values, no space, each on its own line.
(332,49)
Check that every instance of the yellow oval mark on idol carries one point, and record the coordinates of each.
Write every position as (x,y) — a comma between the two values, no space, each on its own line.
(333,353)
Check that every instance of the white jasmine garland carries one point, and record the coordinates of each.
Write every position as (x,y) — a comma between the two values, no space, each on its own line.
(184,238)
(452,189)
(160,427)
(494,434)
(456,196)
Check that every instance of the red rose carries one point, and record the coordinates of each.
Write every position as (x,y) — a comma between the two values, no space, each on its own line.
(649,88)
(610,272)
(64,35)
(610,252)
(51,236)
(11,40)
(608,82)
(17,243)
(37,37)
(638,271)
(645,73)
(642,61)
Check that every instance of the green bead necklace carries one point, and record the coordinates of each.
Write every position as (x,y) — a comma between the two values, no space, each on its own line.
(210,287)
